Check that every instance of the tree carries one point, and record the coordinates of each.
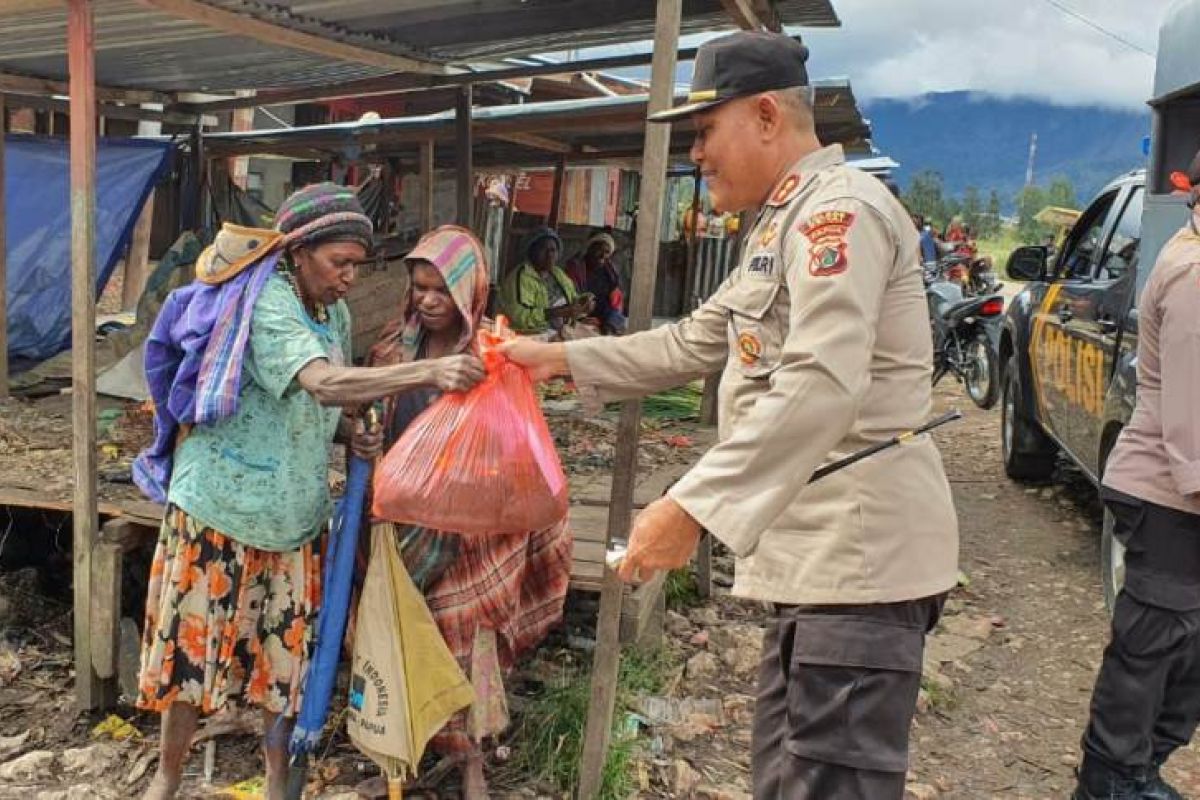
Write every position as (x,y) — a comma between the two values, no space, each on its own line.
(972,209)
(990,224)
(925,196)
(1030,201)
(1062,193)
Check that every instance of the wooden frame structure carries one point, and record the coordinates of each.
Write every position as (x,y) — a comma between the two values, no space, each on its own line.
(286,52)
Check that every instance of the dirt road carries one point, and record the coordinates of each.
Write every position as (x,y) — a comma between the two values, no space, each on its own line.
(1010,671)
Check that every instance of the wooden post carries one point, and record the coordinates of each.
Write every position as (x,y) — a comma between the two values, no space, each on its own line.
(426,167)
(691,297)
(3,262)
(138,259)
(607,657)
(463,160)
(560,179)
(506,235)
(81,62)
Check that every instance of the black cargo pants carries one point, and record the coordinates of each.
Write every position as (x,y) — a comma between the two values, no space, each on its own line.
(1146,703)
(836,695)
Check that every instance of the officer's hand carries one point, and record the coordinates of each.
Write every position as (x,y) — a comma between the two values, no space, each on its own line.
(543,361)
(664,537)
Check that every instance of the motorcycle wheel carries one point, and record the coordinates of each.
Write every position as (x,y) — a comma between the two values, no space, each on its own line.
(982,372)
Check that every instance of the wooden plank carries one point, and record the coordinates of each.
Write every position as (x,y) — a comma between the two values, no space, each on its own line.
(704,566)
(236,24)
(427,187)
(3,259)
(81,61)
(462,157)
(690,299)
(407,83)
(126,112)
(535,141)
(743,15)
(708,401)
(138,261)
(107,558)
(560,179)
(24,84)
(607,657)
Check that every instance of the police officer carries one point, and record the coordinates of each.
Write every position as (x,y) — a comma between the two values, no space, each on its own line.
(1146,703)
(823,334)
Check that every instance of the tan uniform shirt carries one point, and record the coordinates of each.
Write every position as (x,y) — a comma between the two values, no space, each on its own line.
(824,337)
(1157,457)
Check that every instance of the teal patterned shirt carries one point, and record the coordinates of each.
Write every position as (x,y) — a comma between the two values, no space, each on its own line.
(261,476)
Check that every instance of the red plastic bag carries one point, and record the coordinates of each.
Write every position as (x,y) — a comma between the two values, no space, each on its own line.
(476,462)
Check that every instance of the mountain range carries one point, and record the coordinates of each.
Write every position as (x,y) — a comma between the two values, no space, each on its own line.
(983,141)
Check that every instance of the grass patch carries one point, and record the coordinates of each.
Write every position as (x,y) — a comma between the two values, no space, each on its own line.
(681,589)
(547,742)
(999,247)
(675,404)
(940,697)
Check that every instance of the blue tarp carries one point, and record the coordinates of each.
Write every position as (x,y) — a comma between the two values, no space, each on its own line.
(38,197)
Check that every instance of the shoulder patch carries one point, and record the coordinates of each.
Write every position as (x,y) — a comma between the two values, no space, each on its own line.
(828,249)
(787,190)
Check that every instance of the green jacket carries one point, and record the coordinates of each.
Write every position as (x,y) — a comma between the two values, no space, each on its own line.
(524,300)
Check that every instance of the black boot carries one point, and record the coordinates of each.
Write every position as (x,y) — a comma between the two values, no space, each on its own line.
(1095,782)
(1156,788)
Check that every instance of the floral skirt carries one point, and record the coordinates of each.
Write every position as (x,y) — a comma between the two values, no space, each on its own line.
(226,621)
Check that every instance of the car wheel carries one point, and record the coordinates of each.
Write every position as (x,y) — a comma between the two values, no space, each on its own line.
(1029,454)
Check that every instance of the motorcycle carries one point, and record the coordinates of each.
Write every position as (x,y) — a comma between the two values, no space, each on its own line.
(962,264)
(966,333)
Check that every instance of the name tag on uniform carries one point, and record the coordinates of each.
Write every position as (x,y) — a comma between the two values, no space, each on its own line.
(761,265)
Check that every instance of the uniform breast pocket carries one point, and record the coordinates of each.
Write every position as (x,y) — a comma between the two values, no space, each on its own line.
(757,336)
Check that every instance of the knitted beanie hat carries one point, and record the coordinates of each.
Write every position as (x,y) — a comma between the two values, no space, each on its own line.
(323,212)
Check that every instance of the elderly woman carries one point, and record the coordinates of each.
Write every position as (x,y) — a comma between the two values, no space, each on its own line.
(493,597)
(594,273)
(538,297)
(235,582)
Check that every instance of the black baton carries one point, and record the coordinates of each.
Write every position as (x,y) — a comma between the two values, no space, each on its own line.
(829,469)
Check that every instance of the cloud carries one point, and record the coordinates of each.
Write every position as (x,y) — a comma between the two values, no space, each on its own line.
(1010,48)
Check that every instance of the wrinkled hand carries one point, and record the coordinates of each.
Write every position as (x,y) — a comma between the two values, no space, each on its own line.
(664,537)
(366,444)
(541,360)
(457,373)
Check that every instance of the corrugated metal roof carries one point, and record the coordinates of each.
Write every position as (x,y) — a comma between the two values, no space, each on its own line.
(596,128)
(139,47)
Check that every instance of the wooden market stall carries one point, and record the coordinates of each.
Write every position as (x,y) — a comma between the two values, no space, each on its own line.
(156,59)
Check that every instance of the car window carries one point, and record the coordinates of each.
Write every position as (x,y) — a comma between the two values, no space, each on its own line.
(1127,233)
(1081,250)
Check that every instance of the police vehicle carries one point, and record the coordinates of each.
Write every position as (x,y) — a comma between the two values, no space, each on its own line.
(1069,343)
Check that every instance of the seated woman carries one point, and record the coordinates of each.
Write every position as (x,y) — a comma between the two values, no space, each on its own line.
(493,597)
(593,272)
(236,580)
(538,297)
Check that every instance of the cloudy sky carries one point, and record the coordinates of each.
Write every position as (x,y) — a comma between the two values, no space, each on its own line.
(1029,48)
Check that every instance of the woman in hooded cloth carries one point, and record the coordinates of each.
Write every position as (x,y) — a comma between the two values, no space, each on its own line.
(236,580)
(493,597)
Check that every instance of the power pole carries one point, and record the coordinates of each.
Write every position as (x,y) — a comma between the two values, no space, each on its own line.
(1032,156)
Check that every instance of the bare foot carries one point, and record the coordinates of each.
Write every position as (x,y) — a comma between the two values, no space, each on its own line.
(161,787)
(474,784)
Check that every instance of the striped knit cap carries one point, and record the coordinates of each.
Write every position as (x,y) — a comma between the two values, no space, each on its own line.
(323,212)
